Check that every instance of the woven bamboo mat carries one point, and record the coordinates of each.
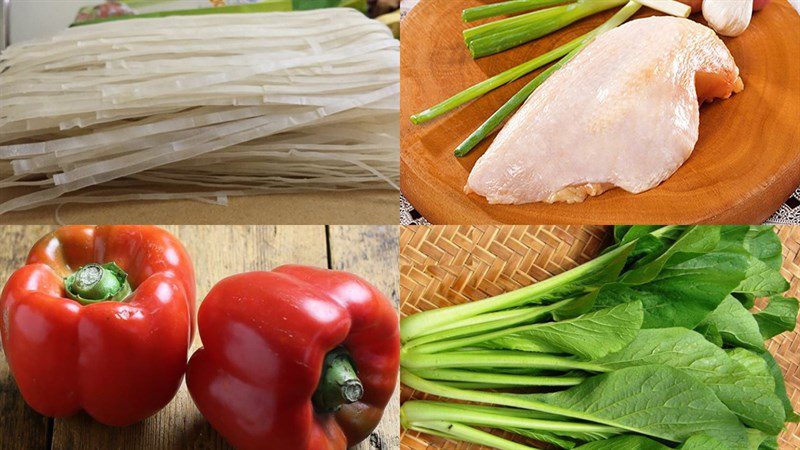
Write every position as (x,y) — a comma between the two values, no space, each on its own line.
(445,265)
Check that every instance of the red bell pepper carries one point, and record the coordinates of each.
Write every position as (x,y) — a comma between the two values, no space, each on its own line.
(298,358)
(100,319)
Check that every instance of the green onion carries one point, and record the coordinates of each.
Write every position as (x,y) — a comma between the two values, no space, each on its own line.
(488,29)
(509,7)
(504,34)
(521,70)
(519,98)
(508,108)
(495,82)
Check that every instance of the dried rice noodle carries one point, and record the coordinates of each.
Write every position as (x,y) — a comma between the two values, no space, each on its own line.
(201,107)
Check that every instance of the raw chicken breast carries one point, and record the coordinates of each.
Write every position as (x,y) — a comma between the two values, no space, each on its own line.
(625,112)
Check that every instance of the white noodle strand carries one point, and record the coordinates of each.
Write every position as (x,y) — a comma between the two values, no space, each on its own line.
(201,107)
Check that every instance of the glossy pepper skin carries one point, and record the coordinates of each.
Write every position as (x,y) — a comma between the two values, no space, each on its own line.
(120,361)
(265,335)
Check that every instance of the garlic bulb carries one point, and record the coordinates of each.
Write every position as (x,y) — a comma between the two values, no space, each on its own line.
(728,17)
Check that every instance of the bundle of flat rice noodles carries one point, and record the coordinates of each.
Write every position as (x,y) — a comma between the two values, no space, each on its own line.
(201,107)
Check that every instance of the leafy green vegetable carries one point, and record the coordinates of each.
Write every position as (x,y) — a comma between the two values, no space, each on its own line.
(779,316)
(710,332)
(652,340)
(569,284)
(633,442)
(780,387)
(702,442)
(550,438)
(589,336)
(682,294)
(419,412)
(654,400)
(770,443)
(748,394)
(626,442)
(735,325)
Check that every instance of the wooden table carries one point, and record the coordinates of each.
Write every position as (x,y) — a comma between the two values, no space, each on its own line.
(217,252)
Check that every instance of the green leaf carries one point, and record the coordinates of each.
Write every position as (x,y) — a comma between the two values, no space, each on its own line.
(626,442)
(779,316)
(736,325)
(748,394)
(763,243)
(633,442)
(684,293)
(702,442)
(543,436)
(589,336)
(710,332)
(747,300)
(770,443)
(693,240)
(780,387)
(763,249)
(654,400)
(752,362)
(620,231)
(651,242)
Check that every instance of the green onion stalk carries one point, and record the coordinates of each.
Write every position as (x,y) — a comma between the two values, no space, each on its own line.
(519,98)
(521,70)
(504,34)
(509,7)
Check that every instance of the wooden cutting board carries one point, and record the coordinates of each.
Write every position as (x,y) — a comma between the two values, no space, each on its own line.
(745,164)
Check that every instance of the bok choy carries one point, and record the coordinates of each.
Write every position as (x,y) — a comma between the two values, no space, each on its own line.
(634,347)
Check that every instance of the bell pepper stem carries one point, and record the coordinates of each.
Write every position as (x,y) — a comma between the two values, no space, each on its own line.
(339,384)
(94,283)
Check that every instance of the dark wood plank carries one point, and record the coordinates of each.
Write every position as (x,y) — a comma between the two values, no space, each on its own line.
(372,253)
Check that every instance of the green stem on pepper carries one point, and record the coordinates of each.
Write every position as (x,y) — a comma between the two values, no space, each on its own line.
(94,283)
(339,384)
